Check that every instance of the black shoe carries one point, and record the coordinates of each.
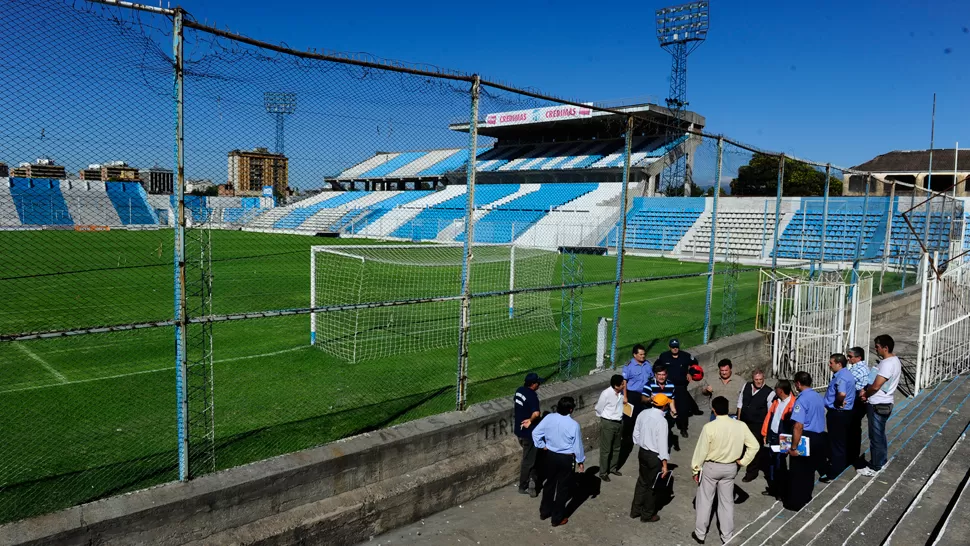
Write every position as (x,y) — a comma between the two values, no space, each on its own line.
(634,516)
(523,491)
(605,477)
(533,492)
(676,447)
(693,535)
(683,434)
(652,519)
(749,479)
(616,473)
(767,493)
(824,479)
(563,522)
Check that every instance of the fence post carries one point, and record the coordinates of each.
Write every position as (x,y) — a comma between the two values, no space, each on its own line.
(710,256)
(887,248)
(862,231)
(181,313)
(464,324)
(924,265)
(781,182)
(620,239)
(825,217)
(929,181)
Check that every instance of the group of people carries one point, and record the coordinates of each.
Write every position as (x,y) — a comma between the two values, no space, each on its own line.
(790,433)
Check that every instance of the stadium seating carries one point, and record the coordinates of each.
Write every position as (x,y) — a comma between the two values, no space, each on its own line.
(745,227)
(428,223)
(356,219)
(39,202)
(129,200)
(504,223)
(659,223)
(306,209)
(852,224)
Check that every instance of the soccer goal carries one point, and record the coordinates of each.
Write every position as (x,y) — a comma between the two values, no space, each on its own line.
(406,298)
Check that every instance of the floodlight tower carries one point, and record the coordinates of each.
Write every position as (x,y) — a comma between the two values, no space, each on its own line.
(680,30)
(279,105)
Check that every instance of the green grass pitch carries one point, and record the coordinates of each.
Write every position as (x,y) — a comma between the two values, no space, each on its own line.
(89,416)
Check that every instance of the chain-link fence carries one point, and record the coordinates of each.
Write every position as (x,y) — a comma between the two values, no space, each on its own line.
(217,250)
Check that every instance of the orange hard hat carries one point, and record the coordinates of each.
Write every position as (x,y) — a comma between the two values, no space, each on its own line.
(660,399)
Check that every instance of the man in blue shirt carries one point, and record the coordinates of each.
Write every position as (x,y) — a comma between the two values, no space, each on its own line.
(860,371)
(638,373)
(526,403)
(559,435)
(839,404)
(660,385)
(809,419)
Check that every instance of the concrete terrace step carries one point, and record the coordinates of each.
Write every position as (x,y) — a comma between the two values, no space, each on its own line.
(956,528)
(920,433)
(931,504)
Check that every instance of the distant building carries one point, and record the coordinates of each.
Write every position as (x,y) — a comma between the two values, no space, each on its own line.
(911,167)
(114,171)
(158,180)
(250,171)
(198,185)
(44,167)
(226,190)
(4,170)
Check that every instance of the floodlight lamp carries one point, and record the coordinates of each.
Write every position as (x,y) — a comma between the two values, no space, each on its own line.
(683,23)
(279,103)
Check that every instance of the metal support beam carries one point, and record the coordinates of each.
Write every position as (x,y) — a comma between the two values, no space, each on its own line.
(466,269)
(781,182)
(621,237)
(710,255)
(181,313)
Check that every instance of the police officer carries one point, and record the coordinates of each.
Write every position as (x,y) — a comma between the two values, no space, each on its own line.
(839,404)
(559,435)
(678,363)
(526,403)
(638,373)
(809,422)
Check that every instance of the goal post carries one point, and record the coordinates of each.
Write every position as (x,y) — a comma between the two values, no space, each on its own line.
(394,299)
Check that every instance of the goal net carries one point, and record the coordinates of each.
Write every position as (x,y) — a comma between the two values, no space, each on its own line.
(407,298)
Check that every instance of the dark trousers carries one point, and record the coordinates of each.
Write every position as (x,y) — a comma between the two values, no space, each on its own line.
(529,455)
(559,480)
(753,468)
(610,433)
(626,441)
(672,439)
(776,469)
(802,472)
(644,498)
(837,423)
(853,435)
(685,406)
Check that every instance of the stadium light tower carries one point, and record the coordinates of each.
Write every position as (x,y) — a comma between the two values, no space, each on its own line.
(680,30)
(279,105)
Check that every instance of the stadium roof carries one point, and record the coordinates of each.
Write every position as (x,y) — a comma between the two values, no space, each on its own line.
(916,161)
(520,123)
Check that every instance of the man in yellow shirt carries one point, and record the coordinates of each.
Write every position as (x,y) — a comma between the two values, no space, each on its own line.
(724,446)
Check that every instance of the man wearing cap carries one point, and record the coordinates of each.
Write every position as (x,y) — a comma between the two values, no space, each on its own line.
(724,445)
(809,421)
(526,403)
(609,408)
(651,434)
(678,364)
(559,436)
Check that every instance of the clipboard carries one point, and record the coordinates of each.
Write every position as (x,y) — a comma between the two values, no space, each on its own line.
(628,409)
(663,484)
(804,446)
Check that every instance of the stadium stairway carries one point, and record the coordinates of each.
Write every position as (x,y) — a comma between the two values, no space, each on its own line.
(8,211)
(852,509)
(89,204)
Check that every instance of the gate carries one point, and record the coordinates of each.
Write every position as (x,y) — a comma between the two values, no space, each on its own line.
(944,342)
(809,319)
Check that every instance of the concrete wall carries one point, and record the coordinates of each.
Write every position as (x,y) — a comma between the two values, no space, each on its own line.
(350,490)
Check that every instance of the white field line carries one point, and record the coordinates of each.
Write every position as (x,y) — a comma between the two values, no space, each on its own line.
(627,302)
(33,356)
(119,376)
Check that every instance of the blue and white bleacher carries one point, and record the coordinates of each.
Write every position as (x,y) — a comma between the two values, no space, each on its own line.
(39,202)
(659,223)
(428,223)
(504,223)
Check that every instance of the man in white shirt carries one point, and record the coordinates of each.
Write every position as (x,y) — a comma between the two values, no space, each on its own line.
(609,408)
(650,433)
(879,396)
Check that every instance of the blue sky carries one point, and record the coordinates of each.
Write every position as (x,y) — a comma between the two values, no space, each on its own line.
(830,81)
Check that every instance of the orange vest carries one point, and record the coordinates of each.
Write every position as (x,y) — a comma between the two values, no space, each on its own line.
(786,414)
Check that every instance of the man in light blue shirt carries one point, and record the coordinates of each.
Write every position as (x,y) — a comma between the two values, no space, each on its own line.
(809,418)
(638,374)
(559,436)
(860,371)
(839,403)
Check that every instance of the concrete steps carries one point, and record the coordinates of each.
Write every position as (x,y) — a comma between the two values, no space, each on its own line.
(931,504)
(853,509)
(955,530)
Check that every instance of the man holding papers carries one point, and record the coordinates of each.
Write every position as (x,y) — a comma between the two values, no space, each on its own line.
(651,434)
(777,422)
(809,418)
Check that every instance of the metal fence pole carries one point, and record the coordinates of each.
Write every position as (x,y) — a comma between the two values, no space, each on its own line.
(710,256)
(781,182)
(909,239)
(887,248)
(929,181)
(862,231)
(620,239)
(181,313)
(825,217)
(465,322)
(924,265)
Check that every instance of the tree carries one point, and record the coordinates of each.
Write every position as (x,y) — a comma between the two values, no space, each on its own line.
(760,177)
(710,192)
